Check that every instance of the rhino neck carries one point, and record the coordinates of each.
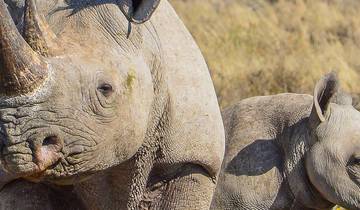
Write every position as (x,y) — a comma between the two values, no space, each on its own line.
(122,187)
(295,143)
(108,189)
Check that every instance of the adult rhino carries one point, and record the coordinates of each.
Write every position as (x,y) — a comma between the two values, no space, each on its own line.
(104,105)
(292,151)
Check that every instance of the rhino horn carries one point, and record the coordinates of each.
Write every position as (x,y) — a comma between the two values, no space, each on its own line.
(36,31)
(22,70)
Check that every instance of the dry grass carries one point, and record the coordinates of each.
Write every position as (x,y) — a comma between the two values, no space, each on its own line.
(260,47)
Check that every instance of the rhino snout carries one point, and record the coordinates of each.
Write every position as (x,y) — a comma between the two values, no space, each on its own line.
(47,151)
(32,157)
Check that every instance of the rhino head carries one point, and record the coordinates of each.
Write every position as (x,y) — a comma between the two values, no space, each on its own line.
(333,162)
(69,109)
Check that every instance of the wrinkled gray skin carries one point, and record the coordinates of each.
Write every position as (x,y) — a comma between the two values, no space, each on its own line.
(291,151)
(156,141)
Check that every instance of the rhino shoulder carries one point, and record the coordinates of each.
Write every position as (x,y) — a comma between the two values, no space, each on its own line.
(197,131)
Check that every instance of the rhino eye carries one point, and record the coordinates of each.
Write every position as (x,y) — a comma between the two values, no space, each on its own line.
(105,89)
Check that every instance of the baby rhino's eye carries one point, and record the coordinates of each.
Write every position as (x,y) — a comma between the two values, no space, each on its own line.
(105,89)
(357,161)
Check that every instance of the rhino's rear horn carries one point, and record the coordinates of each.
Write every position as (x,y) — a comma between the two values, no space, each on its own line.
(22,70)
(36,31)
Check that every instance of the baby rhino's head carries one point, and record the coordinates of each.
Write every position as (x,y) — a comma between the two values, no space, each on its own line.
(333,162)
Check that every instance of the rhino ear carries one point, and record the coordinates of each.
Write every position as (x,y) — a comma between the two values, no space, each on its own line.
(138,11)
(324,90)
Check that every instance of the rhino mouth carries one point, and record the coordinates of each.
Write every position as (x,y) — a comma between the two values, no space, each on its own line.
(56,167)
(51,146)
(35,157)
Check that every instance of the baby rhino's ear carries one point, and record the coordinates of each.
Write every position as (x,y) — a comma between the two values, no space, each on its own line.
(324,90)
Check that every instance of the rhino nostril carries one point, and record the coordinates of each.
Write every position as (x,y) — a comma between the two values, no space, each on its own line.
(52,143)
(48,152)
(51,140)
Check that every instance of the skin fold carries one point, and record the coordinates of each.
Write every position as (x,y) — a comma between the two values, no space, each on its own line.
(291,151)
(118,113)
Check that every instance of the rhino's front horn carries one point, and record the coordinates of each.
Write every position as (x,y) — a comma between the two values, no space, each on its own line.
(22,70)
(36,31)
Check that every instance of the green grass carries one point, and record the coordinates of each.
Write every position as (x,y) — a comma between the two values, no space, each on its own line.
(261,47)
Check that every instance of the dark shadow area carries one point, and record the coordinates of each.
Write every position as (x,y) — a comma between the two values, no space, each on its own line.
(16,9)
(38,196)
(256,159)
(284,197)
(263,155)
(75,5)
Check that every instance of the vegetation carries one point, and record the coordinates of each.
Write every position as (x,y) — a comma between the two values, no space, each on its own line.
(261,47)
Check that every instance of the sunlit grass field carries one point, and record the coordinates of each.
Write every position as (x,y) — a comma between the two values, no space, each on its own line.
(262,47)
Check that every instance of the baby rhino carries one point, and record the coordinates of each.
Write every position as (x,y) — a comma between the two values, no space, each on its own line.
(292,151)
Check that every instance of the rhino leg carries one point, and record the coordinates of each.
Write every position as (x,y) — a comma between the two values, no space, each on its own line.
(261,192)
(192,188)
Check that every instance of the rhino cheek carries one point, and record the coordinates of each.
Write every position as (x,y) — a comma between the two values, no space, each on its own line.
(135,116)
(128,143)
(331,179)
